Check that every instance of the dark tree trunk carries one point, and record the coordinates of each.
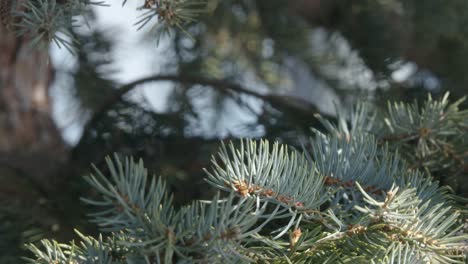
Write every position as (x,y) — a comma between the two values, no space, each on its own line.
(29,139)
(31,148)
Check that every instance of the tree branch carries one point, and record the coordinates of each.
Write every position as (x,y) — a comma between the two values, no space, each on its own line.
(283,103)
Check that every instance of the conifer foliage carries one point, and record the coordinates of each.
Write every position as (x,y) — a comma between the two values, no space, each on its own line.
(48,21)
(348,195)
(364,190)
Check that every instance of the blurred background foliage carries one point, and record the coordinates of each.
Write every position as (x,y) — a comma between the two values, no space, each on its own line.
(318,56)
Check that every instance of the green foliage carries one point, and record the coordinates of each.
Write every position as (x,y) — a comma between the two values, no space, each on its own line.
(48,21)
(170,14)
(364,190)
(347,197)
(431,137)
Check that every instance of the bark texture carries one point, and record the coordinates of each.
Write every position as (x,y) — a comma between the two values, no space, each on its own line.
(29,139)
(31,148)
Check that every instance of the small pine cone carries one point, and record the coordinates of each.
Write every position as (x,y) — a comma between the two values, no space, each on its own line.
(5,12)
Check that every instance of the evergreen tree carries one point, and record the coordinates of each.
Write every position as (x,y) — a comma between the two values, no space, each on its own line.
(364,188)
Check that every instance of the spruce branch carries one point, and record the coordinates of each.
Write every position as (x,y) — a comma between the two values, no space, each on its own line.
(280,175)
(349,198)
(127,196)
(46,21)
(170,14)
(429,137)
(139,212)
(431,230)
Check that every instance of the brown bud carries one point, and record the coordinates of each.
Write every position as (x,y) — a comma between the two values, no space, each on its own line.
(294,236)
